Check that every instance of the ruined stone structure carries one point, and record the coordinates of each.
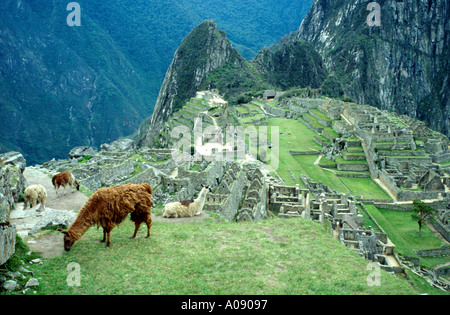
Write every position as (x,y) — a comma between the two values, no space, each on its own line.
(254,206)
(373,246)
(397,152)
(323,205)
(289,201)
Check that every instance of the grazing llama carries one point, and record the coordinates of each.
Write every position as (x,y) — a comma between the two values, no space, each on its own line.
(64,179)
(34,195)
(108,207)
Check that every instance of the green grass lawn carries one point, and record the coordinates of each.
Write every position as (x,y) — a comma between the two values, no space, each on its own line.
(270,257)
(296,136)
(404,233)
(366,187)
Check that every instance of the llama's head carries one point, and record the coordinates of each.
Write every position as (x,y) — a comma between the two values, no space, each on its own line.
(206,188)
(77,185)
(68,239)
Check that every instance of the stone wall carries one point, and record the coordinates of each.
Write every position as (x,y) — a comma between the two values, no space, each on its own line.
(7,231)
(440,158)
(442,228)
(435,252)
(352,167)
(275,111)
(7,242)
(405,195)
(105,175)
(12,183)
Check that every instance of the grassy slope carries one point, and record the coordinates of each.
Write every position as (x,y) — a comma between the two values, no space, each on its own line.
(404,233)
(296,136)
(271,257)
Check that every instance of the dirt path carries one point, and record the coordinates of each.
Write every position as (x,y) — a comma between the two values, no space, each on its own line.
(72,200)
(48,244)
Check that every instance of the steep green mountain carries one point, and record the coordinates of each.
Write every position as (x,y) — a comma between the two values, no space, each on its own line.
(206,59)
(204,50)
(292,63)
(64,86)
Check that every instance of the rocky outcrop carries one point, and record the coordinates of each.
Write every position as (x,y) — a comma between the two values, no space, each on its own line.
(204,50)
(292,63)
(12,183)
(401,66)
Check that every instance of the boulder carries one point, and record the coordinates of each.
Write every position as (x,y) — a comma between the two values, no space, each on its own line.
(54,218)
(121,145)
(79,152)
(33,282)
(14,158)
(10,285)
(7,242)
(4,210)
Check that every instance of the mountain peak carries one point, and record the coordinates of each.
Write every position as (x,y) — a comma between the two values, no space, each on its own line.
(202,51)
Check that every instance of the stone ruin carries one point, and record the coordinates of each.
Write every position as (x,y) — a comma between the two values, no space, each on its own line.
(254,207)
(290,202)
(323,205)
(372,246)
(399,150)
(403,153)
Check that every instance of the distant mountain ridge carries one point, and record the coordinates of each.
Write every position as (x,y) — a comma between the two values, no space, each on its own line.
(62,86)
(337,53)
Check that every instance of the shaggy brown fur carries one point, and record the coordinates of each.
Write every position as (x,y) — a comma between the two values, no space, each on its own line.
(108,207)
(63,179)
(186,203)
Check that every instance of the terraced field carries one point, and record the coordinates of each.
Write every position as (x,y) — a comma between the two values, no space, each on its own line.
(296,136)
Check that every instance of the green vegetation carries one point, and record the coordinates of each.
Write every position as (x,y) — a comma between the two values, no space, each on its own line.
(270,257)
(403,232)
(239,83)
(85,159)
(295,136)
(422,212)
(303,68)
(364,186)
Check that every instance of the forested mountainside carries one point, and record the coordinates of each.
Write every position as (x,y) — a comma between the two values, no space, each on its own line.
(401,65)
(64,86)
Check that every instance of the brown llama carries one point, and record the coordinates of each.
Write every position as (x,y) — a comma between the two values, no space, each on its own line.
(63,179)
(108,207)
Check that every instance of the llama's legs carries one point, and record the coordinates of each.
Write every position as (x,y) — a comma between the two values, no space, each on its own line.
(108,243)
(104,236)
(137,225)
(149,225)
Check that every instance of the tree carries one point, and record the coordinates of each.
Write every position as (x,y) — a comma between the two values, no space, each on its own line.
(422,212)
